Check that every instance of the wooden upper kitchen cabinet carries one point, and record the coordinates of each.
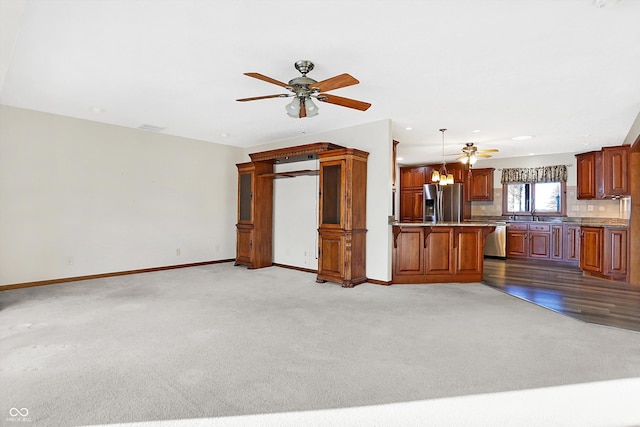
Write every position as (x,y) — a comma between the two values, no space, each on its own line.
(411,205)
(412,178)
(480,185)
(255,215)
(589,172)
(615,167)
(342,215)
(603,174)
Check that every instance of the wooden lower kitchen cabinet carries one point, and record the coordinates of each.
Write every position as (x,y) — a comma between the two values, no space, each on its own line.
(438,254)
(604,252)
(540,241)
(528,241)
(616,253)
(572,243)
(591,249)
(517,240)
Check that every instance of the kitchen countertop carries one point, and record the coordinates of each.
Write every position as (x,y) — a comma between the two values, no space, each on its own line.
(447,224)
(582,221)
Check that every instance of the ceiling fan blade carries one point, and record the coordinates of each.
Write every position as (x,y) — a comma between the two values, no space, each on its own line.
(486,156)
(461,157)
(282,95)
(345,102)
(490,150)
(267,79)
(343,80)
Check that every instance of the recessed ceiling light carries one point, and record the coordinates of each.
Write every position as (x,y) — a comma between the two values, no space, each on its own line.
(408,128)
(475,130)
(532,154)
(586,135)
(399,158)
(97,110)
(224,135)
(521,137)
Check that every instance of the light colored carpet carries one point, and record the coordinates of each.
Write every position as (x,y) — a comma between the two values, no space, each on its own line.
(219,340)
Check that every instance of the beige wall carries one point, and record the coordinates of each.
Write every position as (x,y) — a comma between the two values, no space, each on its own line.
(80,198)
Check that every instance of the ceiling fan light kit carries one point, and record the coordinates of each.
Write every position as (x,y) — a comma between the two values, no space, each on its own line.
(304,88)
(471,154)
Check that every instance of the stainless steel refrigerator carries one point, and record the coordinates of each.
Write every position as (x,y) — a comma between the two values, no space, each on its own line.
(443,203)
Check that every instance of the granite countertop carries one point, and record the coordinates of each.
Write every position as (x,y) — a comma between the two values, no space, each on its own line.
(447,224)
(585,221)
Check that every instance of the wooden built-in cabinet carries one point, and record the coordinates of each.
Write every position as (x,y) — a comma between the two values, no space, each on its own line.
(342,215)
(603,174)
(254,229)
(255,215)
(432,254)
(604,252)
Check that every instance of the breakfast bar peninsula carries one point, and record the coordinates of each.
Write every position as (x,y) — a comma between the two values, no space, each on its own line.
(439,252)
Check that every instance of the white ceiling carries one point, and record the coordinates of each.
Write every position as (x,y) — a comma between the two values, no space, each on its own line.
(564,71)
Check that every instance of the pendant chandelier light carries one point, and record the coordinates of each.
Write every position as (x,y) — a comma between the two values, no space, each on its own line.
(442,176)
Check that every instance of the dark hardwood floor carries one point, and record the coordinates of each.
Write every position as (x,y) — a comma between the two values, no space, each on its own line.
(564,289)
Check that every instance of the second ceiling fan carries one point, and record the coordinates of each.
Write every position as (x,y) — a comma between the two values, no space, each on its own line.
(304,89)
(471,153)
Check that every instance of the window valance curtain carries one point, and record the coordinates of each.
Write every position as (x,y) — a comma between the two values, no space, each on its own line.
(556,173)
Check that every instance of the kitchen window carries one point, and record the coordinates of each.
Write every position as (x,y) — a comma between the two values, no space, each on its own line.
(534,198)
(534,191)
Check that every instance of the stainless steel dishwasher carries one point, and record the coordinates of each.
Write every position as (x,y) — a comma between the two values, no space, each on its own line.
(496,245)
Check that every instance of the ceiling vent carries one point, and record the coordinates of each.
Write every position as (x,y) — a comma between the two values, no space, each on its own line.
(151,128)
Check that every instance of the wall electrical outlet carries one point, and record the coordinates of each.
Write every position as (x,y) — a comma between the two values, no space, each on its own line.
(590,208)
(601,208)
(178,252)
(69,260)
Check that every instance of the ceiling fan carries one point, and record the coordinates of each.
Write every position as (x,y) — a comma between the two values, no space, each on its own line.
(304,89)
(471,153)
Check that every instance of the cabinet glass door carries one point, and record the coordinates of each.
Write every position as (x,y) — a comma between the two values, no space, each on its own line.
(331,194)
(244,213)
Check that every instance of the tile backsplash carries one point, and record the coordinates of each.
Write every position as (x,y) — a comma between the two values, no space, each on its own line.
(575,208)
